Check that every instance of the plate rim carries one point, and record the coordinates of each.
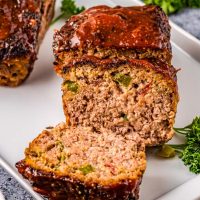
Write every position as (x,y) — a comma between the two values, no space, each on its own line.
(13,172)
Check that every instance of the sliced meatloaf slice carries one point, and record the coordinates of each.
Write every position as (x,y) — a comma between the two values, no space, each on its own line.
(120,32)
(79,163)
(22,26)
(131,96)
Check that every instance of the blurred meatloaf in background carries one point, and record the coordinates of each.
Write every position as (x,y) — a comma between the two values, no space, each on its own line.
(23,24)
(116,66)
(73,163)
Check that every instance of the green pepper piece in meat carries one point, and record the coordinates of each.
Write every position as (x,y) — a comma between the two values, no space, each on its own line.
(86,169)
(122,79)
(71,86)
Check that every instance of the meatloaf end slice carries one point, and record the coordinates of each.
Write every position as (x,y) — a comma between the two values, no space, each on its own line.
(120,32)
(79,163)
(22,27)
(132,96)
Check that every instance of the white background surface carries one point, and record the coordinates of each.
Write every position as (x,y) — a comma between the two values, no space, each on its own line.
(28,109)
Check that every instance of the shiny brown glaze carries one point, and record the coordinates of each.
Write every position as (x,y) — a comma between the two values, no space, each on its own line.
(65,188)
(23,24)
(19,27)
(120,27)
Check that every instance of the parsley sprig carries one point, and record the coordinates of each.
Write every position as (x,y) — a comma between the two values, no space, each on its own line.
(189,152)
(68,8)
(172,6)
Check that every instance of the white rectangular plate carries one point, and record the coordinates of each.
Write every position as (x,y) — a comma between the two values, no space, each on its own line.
(26,110)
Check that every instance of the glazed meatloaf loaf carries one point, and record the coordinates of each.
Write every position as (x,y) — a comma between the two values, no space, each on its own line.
(104,32)
(22,26)
(115,63)
(74,163)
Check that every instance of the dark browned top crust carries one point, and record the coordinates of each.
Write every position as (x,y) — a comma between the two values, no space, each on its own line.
(19,27)
(139,27)
(167,70)
(21,24)
(64,188)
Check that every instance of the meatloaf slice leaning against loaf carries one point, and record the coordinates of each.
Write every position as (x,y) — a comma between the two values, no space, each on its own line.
(120,32)
(23,24)
(79,163)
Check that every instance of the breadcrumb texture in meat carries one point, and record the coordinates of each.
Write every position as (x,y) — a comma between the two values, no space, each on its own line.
(79,163)
(123,32)
(133,96)
(22,26)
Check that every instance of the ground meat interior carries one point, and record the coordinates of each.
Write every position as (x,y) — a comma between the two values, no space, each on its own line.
(125,99)
(84,154)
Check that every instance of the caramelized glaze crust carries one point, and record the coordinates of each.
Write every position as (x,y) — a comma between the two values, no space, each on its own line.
(168,71)
(144,27)
(58,188)
(22,26)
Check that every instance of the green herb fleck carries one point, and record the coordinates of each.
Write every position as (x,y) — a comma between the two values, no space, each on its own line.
(122,79)
(71,86)
(124,116)
(62,158)
(87,169)
(60,145)
(68,8)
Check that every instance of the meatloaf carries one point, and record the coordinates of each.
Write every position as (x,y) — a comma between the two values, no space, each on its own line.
(23,24)
(74,163)
(131,96)
(115,63)
(120,32)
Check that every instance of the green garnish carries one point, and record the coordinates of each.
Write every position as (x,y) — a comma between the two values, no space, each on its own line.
(87,169)
(193,3)
(172,6)
(68,8)
(169,6)
(166,151)
(122,79)
(71,86)
(189,152)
